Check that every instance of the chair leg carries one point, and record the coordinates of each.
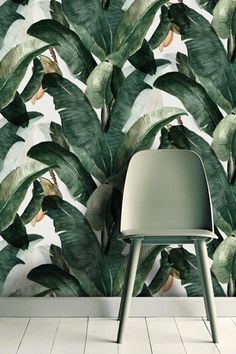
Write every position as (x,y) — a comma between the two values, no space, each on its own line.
(203,287)
(128,287)
(127,271)
(208,293)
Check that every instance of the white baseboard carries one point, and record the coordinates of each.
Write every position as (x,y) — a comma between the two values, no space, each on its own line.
(108,307)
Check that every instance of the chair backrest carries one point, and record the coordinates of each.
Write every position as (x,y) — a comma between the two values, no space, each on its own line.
(166,189)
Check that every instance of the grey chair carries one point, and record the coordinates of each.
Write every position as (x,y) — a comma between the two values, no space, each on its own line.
(166,201)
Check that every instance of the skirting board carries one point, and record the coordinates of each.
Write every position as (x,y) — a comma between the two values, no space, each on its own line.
(108,307)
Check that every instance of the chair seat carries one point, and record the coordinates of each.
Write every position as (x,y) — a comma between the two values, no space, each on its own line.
(172,236)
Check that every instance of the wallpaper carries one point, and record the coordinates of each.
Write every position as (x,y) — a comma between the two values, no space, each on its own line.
(84,85)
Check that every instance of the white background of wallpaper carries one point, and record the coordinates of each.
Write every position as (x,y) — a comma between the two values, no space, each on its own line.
(38,131)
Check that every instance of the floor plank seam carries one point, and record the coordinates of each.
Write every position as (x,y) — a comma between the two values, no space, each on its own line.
(26,327)
(86,336)
(182,341)
(204,319)
(149,338)
(55,334)
(232,319)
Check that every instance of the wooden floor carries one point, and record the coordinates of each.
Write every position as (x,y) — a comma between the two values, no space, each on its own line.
(98,335)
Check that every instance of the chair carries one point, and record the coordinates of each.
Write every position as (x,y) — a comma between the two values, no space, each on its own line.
(166,201)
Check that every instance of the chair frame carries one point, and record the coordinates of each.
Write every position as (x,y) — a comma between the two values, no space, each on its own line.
(136,233)
(205,275)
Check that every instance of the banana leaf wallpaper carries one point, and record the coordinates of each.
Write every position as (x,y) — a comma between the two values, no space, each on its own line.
(85,84)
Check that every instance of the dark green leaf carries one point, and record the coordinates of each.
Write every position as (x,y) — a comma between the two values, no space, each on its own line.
(116,80)
(144,60)
(57,258)
(207,55)
(143,132)
(34,82)
(183,65)
(14,187)
(16,234)
(8,137)
(8,260)
(35,203)
(135,23)
(130,88)
(51,276)
(90,15)
(81,127)
(162,30)
(162,274)
(69,168)
(14,65)
(97,206)
(80,247)
(215,242)
(57,13)
(145,266)
(207,5)
(69,46)
(114,13)
(189,273)
(16,112)
(8,15)
(223,194)
(194,97)
(57,135)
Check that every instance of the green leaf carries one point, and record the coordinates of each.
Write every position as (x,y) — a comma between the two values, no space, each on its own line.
(162,274)
(224,18)
(69,46)
(8,138)
(144,60)
(16,112)
(14,187)
(16,234)
(223,201)
(114,13)
(80,247)
(183,67)
(135,23)
(51,276)
(97,206)
(215,93)
(142,133)
(207,5)
(224,139)
(189,273)
(129,90)
(57,258)
(14,65)
(57,13)
(34,82)
(194,98)
(70,170)
(8,260)
(98,84)
(162,30)
(8,15)
(81,128)
(144,267)
(57,135)
(207,55)
(35,203)
(90,15)
(223,259)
